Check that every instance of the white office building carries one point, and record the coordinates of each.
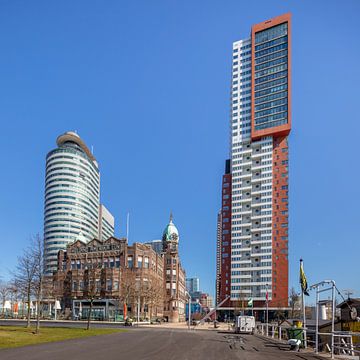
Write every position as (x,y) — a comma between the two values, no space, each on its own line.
(72,194)
(106,223)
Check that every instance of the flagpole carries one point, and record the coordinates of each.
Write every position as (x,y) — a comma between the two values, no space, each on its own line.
(303,310)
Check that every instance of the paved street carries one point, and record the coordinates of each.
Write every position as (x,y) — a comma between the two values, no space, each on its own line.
(158,344)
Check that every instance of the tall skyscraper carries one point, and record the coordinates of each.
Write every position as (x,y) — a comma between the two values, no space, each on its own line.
(193,284)
(223,270)
(72,193)
(254,257)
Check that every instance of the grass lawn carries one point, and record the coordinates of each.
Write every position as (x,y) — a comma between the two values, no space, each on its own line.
(15,336)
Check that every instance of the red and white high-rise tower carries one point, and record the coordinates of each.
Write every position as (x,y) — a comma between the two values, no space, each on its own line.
(254,255)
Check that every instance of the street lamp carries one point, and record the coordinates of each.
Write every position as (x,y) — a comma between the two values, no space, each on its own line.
(189,306)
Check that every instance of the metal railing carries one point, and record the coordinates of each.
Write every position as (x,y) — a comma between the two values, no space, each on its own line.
(342,345)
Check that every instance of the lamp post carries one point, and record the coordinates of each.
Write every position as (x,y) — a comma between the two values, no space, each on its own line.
(189,308)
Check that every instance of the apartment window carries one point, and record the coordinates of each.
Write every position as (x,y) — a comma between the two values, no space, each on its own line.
(117,261)
(130,262)
(146,262)
(97,285)
(116,285)
(140,261)
(108,285)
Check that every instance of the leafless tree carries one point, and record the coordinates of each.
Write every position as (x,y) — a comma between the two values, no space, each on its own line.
(128,287)
(38,283)
(24,276)
(240,304)
(92,290)
(4,294)
(294,301)
(279,313)
(154,294)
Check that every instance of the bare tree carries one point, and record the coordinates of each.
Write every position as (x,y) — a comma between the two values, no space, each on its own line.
(24,276)
(4,294)
(128,287)
(38,283)
(92,290)
(279,313)
(293,300)
(14,297)
(154,294)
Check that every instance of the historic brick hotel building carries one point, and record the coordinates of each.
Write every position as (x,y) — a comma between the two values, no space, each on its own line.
(122,280)
(252,258)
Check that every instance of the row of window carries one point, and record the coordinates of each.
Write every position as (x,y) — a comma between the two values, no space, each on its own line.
(272,97)
(270,63)
(86,167)
(110,285)
(94,191)
(271,33)
(56,153)
(270,91)
(271,76)
(77,206)
(267,44)
(270,84)
(271,111)
(244,47)
(270,50)
(76,198)
(71,171)
(270,57)
(273,123)
(270,70)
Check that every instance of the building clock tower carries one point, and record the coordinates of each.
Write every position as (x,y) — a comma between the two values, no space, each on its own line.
(175,298)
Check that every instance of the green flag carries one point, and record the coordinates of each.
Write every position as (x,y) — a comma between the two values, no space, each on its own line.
(303,281)
(250,302)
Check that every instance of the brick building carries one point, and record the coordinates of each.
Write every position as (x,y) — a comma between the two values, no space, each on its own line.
(120,279)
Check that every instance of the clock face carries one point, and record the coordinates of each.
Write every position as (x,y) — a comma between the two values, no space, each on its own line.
(353,313)
(174,237)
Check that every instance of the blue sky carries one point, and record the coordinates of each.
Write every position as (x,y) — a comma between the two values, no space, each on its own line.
(147,83)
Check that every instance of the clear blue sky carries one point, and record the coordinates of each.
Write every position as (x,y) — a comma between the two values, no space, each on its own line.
(147,83)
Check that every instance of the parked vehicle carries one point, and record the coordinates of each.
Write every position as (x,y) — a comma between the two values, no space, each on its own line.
(245,324)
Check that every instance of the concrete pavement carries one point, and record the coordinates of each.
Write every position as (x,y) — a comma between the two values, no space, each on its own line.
(159,344)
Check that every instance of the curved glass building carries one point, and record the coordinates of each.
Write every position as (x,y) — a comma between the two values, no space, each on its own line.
(72,194)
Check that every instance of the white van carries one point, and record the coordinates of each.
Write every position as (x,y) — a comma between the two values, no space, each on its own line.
(245,325)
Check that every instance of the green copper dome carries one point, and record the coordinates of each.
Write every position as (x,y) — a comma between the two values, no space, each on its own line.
(170,233)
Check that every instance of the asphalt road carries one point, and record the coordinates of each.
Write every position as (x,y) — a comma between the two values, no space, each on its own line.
(158,344)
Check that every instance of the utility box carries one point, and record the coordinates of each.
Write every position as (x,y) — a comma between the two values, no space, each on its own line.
(245,325)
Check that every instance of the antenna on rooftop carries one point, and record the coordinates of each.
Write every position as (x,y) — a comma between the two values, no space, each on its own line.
(127,226)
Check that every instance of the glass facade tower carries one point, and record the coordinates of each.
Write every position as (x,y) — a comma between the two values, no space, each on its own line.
(72,191)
